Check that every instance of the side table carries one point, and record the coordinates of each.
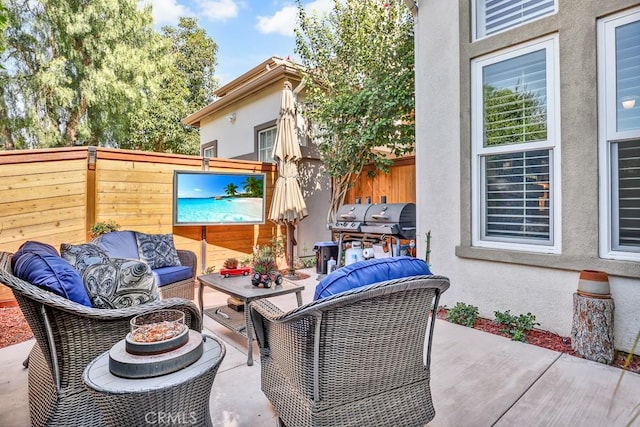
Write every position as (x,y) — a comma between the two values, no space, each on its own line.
(240,287)
(179,398)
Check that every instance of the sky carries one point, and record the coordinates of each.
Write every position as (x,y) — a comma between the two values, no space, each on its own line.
(206,185)
(247,32)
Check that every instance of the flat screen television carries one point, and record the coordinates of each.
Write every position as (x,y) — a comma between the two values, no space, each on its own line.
(214,198)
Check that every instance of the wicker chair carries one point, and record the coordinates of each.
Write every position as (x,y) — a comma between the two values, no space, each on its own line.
(358,358)
(69,336)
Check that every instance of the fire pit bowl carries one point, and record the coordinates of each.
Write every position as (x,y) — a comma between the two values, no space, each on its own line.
(157,332)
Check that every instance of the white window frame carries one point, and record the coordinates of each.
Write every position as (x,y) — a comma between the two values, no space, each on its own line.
(478,9)
(608,133)
(261,149)
(550,43)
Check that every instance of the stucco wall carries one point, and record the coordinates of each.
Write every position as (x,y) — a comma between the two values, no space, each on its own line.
(237,138)
(496,279)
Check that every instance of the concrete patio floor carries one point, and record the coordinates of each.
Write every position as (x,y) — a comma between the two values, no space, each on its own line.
(478,379)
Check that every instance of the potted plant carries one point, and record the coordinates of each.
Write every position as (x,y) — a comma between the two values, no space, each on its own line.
(264,268)
(103,227)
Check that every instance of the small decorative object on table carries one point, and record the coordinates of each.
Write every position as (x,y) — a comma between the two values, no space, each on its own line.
(265,268)
(159,343)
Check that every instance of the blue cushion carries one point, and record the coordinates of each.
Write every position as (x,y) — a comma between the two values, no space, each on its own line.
(52,273)
(367,272)
(167,275)
(34,247)
(119,244)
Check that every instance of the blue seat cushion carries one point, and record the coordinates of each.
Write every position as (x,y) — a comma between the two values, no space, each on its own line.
(52,273)
(119,244)
(368,272)
(168,275)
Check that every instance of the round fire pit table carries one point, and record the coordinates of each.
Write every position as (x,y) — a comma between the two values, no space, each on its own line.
(179,398)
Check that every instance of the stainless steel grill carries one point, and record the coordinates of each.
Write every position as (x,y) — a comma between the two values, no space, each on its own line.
(391,219)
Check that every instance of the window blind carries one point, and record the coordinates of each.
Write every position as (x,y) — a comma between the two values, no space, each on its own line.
(628,181)
(498,15)
(515,100)
(517,195)
(628,76)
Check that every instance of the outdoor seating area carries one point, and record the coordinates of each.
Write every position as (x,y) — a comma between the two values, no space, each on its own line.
(477,379)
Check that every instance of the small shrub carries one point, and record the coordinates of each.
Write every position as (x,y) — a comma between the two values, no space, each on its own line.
(210,270)
(103,227)
(463,314)
(516,326)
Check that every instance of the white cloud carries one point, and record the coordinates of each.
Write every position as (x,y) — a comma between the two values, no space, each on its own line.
(218,10)
(167,12)
(282,22)
(285,20)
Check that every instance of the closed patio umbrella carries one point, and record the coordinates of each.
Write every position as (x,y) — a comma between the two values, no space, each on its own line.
(287,204)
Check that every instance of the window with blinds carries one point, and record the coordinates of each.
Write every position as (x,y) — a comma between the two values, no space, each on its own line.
(515,100)
(619,102)
(515,175)
(493,16)
(517,195)
(266,138)
(626,212)
(627,48)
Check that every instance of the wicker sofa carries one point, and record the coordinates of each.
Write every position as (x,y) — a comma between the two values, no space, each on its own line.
(68,336)
(356,358)
(174,279)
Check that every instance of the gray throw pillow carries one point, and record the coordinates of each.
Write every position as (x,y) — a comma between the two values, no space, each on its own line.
(157,250)
(120,283)
(83,255)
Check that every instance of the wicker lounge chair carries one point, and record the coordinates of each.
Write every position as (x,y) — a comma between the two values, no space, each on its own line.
(69,336)
(358,358)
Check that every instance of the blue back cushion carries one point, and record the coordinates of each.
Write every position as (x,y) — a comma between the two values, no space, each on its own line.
(33,247)
(167,275)
(367,272)
(119,244)
(52,273)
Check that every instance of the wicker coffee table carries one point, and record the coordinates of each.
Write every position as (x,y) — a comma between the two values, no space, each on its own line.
(240,287)
(181,397)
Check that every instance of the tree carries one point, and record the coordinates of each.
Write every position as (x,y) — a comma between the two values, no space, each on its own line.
(187,87)
(231,189)
(359,78)
(253,186)
(76,70)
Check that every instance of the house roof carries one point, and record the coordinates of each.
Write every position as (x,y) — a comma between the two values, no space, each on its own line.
(273,70)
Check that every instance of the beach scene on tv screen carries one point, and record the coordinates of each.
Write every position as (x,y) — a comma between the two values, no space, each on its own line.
(219,198)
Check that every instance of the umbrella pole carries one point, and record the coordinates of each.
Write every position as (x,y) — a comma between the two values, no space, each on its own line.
(290,229)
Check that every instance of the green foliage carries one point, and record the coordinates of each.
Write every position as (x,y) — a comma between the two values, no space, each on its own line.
(185,87)
(231,189)
(210,269)
(103,227)
(97,73)
(359,86)
(463,314)
(253,186)
(516,326)
(75,71)
(264,260)
(513,117)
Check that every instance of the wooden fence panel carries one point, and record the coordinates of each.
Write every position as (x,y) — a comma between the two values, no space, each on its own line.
(56,195)
(399,185)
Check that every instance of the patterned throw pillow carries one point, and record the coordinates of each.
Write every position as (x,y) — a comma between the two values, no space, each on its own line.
(157,250)
(120,283)
(83,255)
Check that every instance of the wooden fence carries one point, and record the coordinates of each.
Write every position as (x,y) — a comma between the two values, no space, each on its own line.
(55,196)
(399,185)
